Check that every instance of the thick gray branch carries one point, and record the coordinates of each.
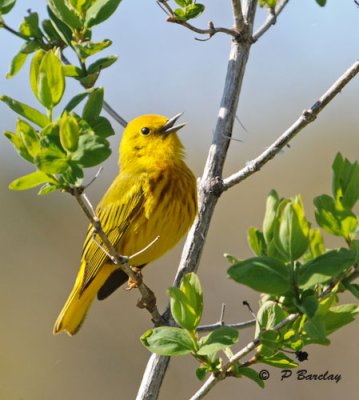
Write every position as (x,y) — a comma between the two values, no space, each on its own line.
(210,184)
(306,118)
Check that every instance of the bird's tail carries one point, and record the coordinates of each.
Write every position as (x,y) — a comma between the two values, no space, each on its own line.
(75,309)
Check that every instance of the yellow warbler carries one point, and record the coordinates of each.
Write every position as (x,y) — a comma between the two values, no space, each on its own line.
(153,195)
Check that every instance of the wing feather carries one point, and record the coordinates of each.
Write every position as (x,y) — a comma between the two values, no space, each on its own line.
(116,211)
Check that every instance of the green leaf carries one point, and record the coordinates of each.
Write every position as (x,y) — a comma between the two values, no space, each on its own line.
(218,340)
(62,29)
(87,49)
(309,305)
(315,332)
(29,181)
(272,204)
(291,231)
(325,267)
(168,341)
(26,111)
(316,245)
(35,71)
(180,14)
(30,26)
(101,64)
(19,145)
(252,375)
(268,3)
(257,242)
(89,81)
(338,316)
(100,11)
(6,6)
(66,14)
(268,316)
(51,83)
(183,3)
(102,127)
(74,174)
(263,274)
(29,137)
(279,360)
(183,310)
(201,373)
(75,101)
(270,343)
(72,71)
(92,150)
(18,61)
(93,106)
(52,161)
(51,32)
(194,10)
(321,2)
(48,188)
(345,182)
(69,132)
(336,221)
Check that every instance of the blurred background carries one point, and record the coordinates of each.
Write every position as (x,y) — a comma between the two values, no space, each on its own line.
(162,69)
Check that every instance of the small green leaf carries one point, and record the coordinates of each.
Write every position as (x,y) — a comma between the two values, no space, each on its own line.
(26,111)
(252,375)
(92,150)
(201,373)
(263,274)
(72,71)
(183,3)
(75,101)
(309,305)
(87,49)
(194,10)
(272,204)
(270,343)
(19,145)
(101,64)
(218,340)
(47,188)
(316,245)
(69,132)
(6,6)
(66,14)
(35,71)
(29,137)
(322,3)
(168,341)
(268,316)
(16,64)
(325,267)
(30,181)
(100,11)
(51,82)
(257,242)
(93,106)
(338,316)
(102,127)
(291,232)
(315,332)
(336,221)
(62,29)
(52,161)
(180,14)
(30,26)
(279,360)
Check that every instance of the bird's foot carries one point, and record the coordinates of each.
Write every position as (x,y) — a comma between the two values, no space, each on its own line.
(135,283)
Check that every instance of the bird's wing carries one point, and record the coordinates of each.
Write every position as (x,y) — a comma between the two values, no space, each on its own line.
(116,211)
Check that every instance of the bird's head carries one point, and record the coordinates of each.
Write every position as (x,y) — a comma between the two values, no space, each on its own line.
(149,140)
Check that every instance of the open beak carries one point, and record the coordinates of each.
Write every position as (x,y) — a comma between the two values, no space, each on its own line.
(170,126)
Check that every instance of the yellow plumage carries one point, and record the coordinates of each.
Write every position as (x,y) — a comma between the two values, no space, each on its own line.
(154,195)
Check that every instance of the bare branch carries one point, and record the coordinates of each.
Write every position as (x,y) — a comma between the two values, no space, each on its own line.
(306,118)
(238,15)
(238,325)
(271,19)
(148,299)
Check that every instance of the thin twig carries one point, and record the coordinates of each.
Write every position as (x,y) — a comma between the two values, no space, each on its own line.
(219,324)
(144,249)
(271,20)
(306,118)
(210,31)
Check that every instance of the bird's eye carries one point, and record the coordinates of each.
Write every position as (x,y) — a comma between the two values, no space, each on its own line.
(145,131)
